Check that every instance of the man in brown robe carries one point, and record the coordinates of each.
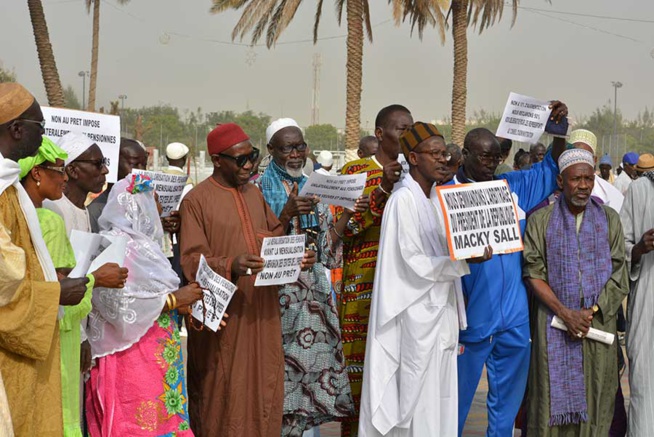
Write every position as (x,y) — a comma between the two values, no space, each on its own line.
(29,292)
(235,376)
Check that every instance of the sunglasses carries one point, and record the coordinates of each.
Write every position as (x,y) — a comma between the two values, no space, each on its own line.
(241,160)
(39,122)
(287,149)
(61,170)
(99,163)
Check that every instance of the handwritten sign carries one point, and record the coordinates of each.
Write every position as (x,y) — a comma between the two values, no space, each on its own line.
(478,215)
(103,129)
(283,257)
(217,290)
(341,190)
(169,187)
(524,119)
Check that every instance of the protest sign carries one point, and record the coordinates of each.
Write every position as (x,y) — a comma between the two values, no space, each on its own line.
(343,190)
(103,129)
(478,215)
(283,257)
(169,188)
(217,291)
(524,119)
(94,250)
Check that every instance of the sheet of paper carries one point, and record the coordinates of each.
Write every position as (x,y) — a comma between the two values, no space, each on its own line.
(218,291)
(169,188)
(86,247)
(524,119)
(103,129)
(283,258)
(341,190)
(113,251)
(593,334)
(477,215)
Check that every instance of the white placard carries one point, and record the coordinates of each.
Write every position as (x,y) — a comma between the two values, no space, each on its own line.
(477,215)
(103,129)
(524,119)
(169,188)
(341,190)
(283,258)
(217,290)
(92,251)
(593,334)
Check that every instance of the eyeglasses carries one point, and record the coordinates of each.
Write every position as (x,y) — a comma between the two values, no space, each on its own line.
(287,149)
(489,159)
(39,122)
(241,160)
(436,154)
(99,163)
(61,170)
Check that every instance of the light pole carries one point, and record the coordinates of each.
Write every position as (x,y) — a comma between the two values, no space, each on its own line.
(122,98)
(83,75)
(616,85)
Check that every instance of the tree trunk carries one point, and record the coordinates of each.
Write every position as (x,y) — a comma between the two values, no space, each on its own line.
(459,83)
(49,71)
(94,55)
(354,11)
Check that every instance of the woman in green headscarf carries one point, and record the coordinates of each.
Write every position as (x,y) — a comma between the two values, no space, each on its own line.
(44,177)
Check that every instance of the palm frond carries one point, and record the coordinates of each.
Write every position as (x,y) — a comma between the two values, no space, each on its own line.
(484,13)
(283,16)
(316,22)
(366,19)
(339,10)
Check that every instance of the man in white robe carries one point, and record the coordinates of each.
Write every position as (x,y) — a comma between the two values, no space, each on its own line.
(410,373)
(637,218)
(603,189)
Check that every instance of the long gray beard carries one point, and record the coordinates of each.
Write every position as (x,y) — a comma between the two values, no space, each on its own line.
(294,173)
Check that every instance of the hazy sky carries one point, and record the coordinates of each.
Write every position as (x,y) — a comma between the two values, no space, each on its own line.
(165,51)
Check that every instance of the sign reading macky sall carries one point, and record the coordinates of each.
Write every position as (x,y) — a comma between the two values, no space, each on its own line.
(478,215)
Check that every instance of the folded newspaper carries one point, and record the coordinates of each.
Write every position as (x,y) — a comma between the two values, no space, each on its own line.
(593,334)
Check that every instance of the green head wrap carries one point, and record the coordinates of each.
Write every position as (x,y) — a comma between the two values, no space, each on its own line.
(48,151)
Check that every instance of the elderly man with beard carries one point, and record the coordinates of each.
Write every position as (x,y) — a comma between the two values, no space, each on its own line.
(575,264)
(361,242)
(307,307)
(29,292)
(410,375)
(497,308)
(235,376)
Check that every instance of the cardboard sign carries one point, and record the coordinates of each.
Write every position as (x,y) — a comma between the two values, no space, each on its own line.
(478,215)
(103,129)
(217,290)
(283,258)
(169,188)
(343,190)
(524,119)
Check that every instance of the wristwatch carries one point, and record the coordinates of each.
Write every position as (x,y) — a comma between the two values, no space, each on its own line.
(595,308)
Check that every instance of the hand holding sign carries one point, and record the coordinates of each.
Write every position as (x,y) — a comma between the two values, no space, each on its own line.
(110,275)
(392,172)
(188,294)
(298,205)
(284,257)
(309,260)
(246,265)
(216,293)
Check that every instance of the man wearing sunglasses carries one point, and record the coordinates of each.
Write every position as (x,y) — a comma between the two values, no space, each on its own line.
(497,308)
(29,291)
(235,376)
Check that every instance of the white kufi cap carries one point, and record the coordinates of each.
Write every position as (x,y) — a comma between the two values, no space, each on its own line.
(325,158)
(278,125)
(74,144)
(575,156)
(176,151)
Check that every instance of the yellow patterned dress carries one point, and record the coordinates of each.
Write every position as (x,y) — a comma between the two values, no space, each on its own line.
(360,245)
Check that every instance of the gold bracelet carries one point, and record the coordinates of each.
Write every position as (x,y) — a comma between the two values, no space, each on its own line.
(168,302)
(172,296)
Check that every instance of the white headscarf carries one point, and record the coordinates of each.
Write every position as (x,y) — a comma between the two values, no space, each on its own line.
(121,317)
(74,144)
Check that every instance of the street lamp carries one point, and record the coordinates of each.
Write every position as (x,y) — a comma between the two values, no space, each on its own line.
(615,85)
(83,75)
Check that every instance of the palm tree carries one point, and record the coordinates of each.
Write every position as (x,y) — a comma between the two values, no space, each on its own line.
(481,13)
(273,16)
(94,49)
(49,71)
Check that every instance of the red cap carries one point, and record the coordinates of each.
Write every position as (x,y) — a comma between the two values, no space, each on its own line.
(224,136)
